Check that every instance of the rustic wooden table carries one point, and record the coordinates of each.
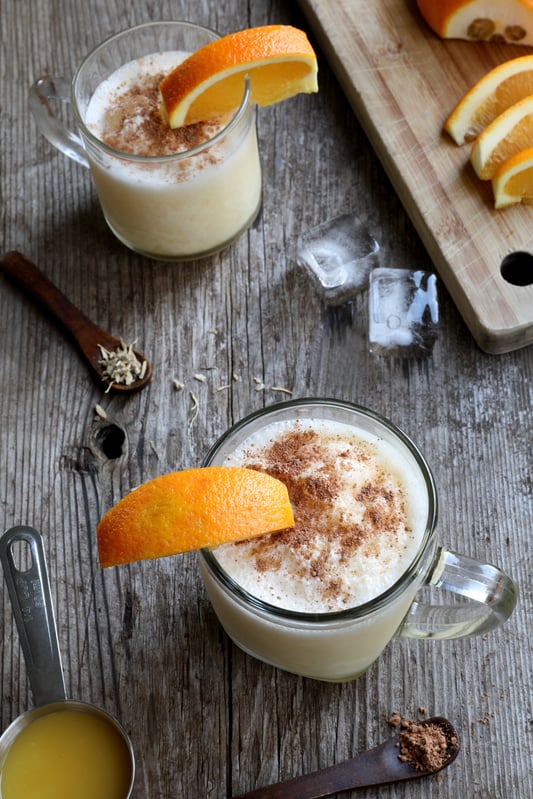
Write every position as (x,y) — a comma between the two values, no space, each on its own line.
(141,641)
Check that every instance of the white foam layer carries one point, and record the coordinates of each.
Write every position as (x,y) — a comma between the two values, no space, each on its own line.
(125,112)
(360,507)
(134,72)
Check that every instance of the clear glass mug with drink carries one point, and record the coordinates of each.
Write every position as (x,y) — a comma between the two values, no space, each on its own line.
(174,206)
(281,623)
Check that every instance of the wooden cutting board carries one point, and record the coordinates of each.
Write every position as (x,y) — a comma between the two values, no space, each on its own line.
(402,82)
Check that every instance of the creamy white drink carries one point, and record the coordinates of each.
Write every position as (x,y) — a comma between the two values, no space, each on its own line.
(174,194)
(311,599)
(358,526)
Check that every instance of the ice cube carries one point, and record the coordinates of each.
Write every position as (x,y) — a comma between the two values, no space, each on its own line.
(339,254)
(403,312)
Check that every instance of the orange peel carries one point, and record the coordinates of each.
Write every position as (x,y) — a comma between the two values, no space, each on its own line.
(508,134)
(494,93)
(278,61)
(192,509)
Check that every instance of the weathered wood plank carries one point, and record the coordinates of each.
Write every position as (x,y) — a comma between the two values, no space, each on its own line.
(141,641)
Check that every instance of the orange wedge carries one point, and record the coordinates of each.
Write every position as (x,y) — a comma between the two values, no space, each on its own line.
(493,94)
(480,20)
(278,60)
(191,509)
(510,133)
(513,181)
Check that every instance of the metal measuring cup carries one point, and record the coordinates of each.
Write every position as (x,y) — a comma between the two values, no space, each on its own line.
(29,592)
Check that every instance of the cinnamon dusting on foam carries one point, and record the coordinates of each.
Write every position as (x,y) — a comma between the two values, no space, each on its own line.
(352,530)
(132,122)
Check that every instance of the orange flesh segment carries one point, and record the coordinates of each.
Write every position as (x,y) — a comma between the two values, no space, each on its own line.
(508,134)
(277,59)
(495,92)
(480,20)
(192,509)
(513,181)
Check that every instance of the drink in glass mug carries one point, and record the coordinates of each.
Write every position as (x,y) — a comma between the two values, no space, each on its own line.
(167,194)
(324,598)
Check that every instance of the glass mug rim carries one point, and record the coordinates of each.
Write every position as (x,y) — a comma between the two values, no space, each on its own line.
(381,600)
(153,159)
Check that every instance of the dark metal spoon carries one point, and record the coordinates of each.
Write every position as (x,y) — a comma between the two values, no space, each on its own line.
(88,336)
(378,766)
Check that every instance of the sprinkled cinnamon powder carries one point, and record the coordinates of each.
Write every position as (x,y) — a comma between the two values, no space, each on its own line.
(133,123)
(289,459)
(125,113)
(425,746)
(352,536)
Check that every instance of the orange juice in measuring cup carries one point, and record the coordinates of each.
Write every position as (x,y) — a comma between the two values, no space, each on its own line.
(62,749)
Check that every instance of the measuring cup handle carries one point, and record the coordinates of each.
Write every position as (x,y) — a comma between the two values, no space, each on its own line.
(29,591)
(43,91)
(489,593)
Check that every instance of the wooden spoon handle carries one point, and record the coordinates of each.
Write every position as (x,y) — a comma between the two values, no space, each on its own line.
(35,283)
(89,338)
(378,766)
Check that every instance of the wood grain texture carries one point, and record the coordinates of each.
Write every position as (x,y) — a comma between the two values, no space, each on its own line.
(206,719)
(402,82)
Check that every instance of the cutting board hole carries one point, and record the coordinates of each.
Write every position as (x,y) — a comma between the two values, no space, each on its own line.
(517,268)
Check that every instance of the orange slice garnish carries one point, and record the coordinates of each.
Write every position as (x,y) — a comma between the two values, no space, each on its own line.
(277,59)
(493,94)
(507,135)
(513,181)
(191,509)
(480,20)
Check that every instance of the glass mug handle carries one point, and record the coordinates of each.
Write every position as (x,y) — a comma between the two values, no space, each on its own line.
(41,93)
(489,597)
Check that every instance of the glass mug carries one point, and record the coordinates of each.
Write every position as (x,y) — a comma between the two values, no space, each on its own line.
(339,646)
(171,207)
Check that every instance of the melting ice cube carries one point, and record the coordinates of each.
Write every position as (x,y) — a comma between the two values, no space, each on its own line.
(339,254)
(403,312)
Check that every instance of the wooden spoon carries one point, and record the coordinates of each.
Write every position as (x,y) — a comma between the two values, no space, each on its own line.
(88,336)
(378,766)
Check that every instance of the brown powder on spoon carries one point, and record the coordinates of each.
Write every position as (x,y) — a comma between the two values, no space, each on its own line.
(424,745)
